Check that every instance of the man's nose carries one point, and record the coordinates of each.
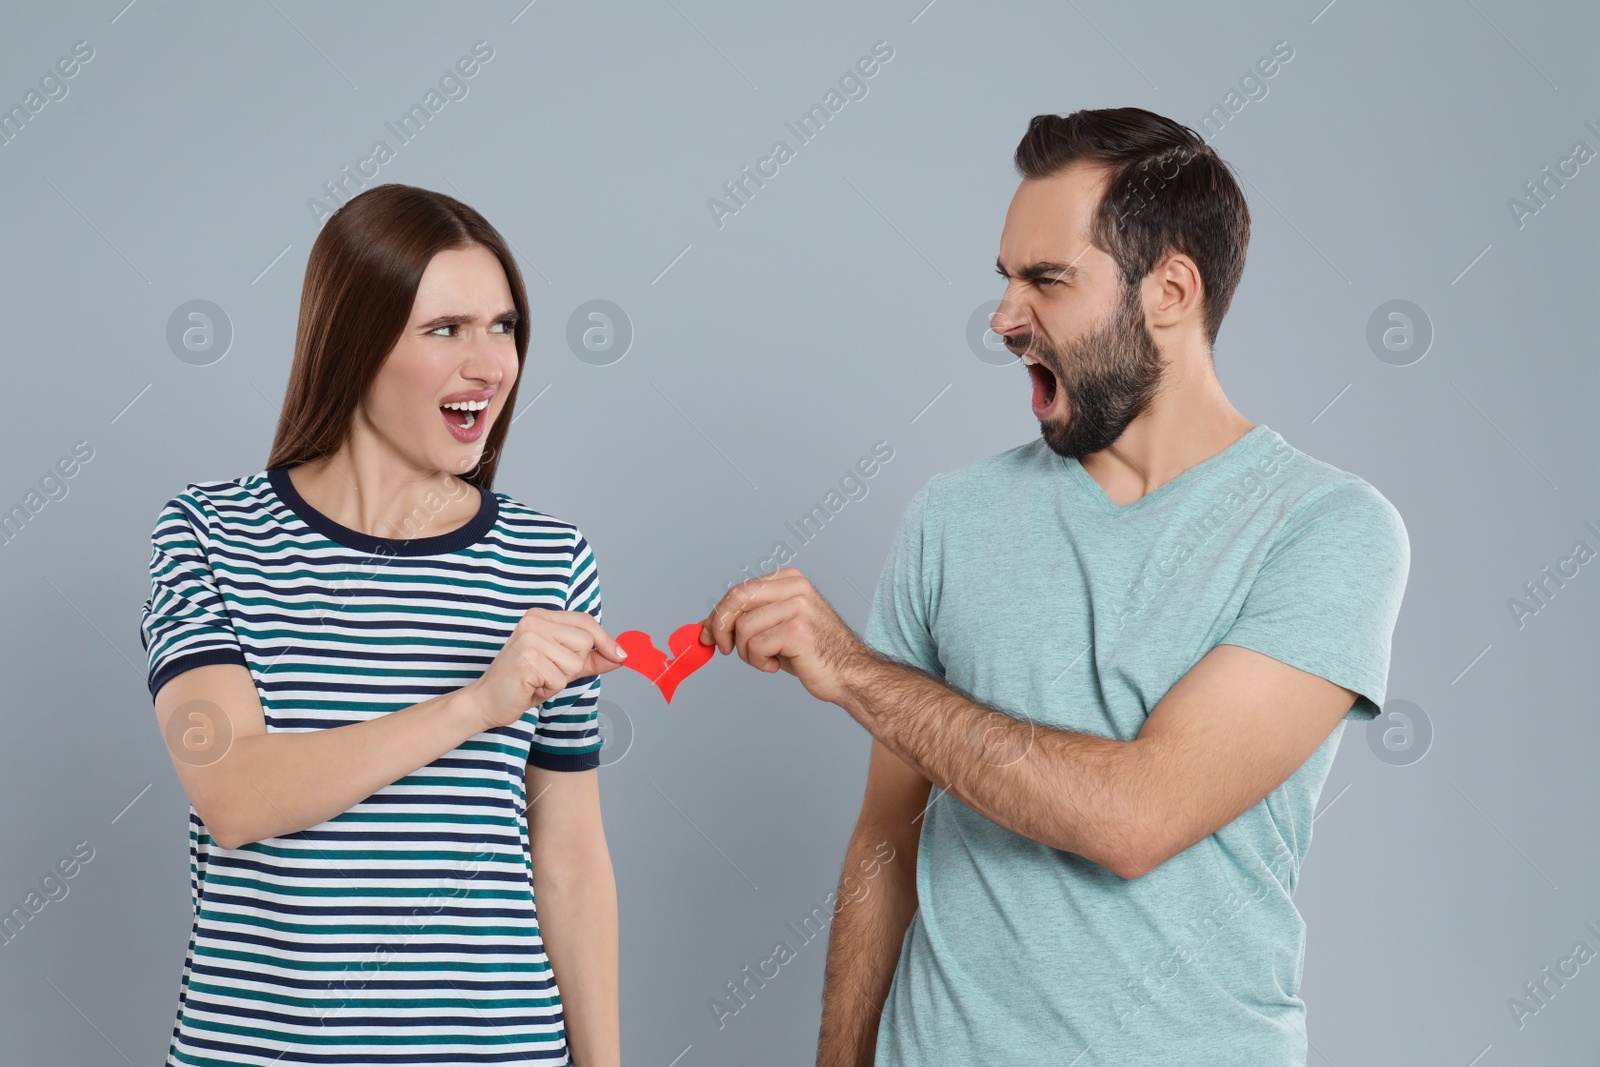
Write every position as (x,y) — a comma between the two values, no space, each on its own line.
(1008,318)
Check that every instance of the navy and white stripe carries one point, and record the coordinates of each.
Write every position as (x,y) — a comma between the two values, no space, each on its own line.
(404,930)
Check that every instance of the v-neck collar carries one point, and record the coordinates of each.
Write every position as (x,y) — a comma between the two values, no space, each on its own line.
(1249,441)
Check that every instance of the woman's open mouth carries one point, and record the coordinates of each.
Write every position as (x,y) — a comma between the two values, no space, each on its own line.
(465,419)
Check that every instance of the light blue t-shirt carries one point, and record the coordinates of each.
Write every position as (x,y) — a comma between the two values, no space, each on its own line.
(1019,581)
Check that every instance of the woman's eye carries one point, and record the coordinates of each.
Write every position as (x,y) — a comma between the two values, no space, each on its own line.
(509,324)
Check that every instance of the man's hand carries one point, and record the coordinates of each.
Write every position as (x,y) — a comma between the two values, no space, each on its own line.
(780,621)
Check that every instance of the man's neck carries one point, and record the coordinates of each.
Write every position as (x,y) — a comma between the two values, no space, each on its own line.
(1190,421)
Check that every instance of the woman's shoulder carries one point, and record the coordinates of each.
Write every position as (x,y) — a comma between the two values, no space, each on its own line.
(205,504)
(524,520)
(540,536)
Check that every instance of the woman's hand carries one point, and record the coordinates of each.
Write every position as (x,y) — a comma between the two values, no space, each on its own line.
(546,651)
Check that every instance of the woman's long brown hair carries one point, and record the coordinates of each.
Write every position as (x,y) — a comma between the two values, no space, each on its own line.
(361,280)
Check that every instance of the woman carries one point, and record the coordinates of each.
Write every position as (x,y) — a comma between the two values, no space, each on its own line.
(378,679)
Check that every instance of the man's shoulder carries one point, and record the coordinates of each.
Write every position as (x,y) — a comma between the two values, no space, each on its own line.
(992,478)
(1315,493)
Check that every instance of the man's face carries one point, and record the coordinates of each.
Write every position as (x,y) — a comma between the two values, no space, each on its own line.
(1095,366)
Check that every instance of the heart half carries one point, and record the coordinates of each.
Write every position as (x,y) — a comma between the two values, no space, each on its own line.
(688,656)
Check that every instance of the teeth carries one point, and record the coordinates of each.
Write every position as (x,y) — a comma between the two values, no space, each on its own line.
(1029,361)
(466,405)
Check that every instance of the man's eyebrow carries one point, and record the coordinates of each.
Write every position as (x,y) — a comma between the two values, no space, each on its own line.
(457,319)
(1044,269)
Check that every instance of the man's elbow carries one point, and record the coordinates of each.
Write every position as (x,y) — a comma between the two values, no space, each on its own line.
(1133,852)
(1128,868)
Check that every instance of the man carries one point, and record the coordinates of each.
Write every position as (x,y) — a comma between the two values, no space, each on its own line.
(1105,671)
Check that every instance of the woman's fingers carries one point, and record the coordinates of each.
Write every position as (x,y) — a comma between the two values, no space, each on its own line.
(598,664)
(589,658)
(585,634)
(544,653)
(577,630)
(556,662)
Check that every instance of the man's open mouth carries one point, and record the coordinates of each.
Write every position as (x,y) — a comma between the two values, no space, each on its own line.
(1044,383)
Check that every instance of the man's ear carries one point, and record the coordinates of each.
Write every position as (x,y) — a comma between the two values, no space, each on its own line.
(1179,290)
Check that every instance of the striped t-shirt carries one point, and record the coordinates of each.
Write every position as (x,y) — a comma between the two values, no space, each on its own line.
(403,930)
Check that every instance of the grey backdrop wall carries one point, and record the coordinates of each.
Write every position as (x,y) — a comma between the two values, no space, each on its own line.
(1436,154)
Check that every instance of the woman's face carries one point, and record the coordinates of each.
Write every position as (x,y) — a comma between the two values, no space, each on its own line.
(458,348)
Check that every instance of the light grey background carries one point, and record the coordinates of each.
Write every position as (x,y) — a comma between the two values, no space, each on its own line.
(769,354)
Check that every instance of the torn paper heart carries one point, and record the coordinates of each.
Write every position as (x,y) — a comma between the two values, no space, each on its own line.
(688,656)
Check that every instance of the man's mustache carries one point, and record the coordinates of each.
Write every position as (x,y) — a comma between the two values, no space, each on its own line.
(1023,345)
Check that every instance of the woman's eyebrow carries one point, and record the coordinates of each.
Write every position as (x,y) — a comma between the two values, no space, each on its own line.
(459,319)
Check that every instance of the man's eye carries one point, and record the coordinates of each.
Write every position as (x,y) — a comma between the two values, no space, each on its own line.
(509,324)
(447,326)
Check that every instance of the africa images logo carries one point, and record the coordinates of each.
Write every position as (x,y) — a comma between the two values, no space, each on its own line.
(852,86)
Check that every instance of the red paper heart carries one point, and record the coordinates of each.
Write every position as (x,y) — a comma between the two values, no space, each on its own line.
(688,656)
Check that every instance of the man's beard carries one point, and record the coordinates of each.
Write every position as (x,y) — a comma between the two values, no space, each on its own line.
(1110,378)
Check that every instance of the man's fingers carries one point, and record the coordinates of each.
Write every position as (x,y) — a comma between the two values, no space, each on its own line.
(748,596)
(765,651)
(772,593)
(763,627)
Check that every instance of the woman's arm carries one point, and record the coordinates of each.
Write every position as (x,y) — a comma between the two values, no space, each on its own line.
(576,893)
(247,784)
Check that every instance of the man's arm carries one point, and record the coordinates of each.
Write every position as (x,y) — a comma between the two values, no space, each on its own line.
(575,891)
(1230,731)
(864,943)
(1224,736)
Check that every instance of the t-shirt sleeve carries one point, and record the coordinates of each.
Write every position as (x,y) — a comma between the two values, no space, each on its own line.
(567,737)
(1328,593)
(184,622)
(900,623)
